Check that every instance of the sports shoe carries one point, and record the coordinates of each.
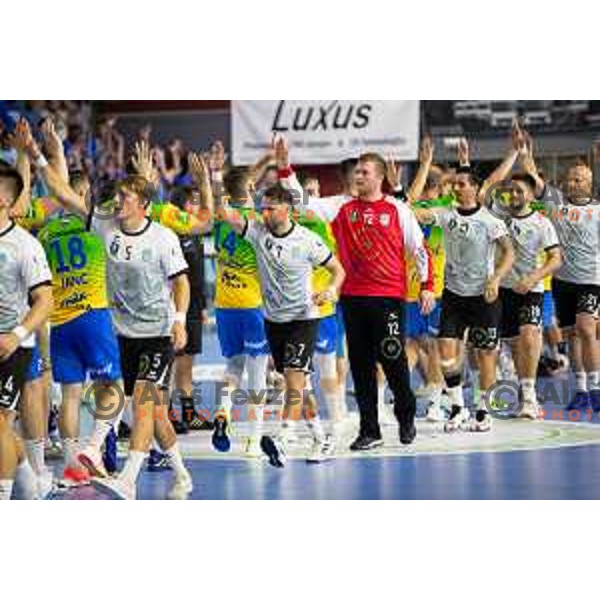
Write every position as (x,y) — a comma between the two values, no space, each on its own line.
(408,432)
(320,451)
(274,448)
(74,477)
(45,484)
(120,488)
(365,442)
(458,419)
(435,413)
(157,462)
(182,487)
(529,410)
(595,400)
(124,432)
(109,458)
(482,421)
(580,401)
(90,458)
(252,447)
(220,437)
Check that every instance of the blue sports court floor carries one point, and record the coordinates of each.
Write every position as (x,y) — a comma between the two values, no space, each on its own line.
(557,458)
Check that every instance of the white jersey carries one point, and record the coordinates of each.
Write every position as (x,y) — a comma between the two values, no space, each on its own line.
(532,236)
(578,229)
(23,267)
(469,241)
(285,267)
(139,268)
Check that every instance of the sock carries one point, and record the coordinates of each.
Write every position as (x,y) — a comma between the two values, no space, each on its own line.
(257,420)
(71,447)
(6,486)
(174,456)
(26,479)
(132,467)
(456,396)
(99,433)
(35,455)
(316,428)
(528,387)
(581,381)
(380,397)
(593,379)
(435,398)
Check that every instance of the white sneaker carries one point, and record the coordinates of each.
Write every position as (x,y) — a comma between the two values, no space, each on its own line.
(458,419)
(529,410)
(252,447)
(320,451)
(182,487)
(481,422)
(435,413)
(91,459)
(119,487)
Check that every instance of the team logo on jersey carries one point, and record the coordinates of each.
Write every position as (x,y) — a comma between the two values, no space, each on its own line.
(354,216)
(384,219)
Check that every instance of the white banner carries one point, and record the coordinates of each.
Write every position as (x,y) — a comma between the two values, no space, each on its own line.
(325,131)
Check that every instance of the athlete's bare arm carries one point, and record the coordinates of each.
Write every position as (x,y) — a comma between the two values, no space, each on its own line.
(527,162)
(552,264)
(201,177)
(20,140)
(505,258)
(332,292)
(503,171)
(59,188)
(38,314)
(181,299)
(54,149)
(425,161)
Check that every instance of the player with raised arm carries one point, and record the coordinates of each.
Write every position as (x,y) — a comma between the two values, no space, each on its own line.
(146,274)
(537,255)
(287,254)
(25,304)
(575,215)
(472,237)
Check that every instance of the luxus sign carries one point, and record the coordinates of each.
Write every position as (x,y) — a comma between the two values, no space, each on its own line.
(325,131)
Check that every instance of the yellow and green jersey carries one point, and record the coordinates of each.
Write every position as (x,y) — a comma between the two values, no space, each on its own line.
(77,260)
(434,236)
(321,276)
(237,284)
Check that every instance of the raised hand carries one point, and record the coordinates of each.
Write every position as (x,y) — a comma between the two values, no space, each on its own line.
(282,153)
(526,158)
(22,140)
(52,141)
(142,160)
(393,173)
(217,156)
(463,152)
(426,150)
(516,135)
(198,169)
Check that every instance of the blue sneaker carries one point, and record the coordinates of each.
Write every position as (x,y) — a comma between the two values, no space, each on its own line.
(157,461)
(595,400)
(580,401)
(221,435)
(109,458)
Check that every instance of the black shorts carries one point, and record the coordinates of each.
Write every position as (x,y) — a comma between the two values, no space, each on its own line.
(481,318)
(13,375)
(146,359)
(519,310)
(572,299)
(194,338)
(292,344)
